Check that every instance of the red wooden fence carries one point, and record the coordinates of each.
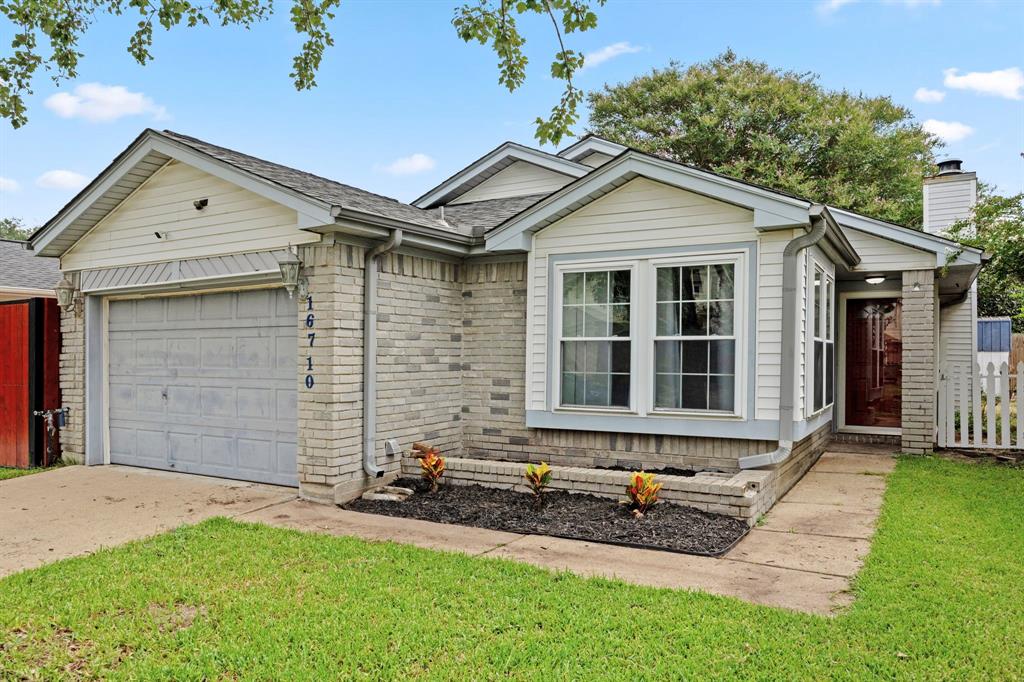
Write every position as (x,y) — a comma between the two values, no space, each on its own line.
(14,385)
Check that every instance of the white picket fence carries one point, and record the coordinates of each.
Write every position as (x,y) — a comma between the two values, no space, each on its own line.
(977,407)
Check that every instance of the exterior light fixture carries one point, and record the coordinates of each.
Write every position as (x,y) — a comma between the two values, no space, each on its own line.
(67,295)
(917,286)
(290,266)
(874,279)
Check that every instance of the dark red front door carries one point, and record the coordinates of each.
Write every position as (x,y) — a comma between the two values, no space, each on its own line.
(874,365)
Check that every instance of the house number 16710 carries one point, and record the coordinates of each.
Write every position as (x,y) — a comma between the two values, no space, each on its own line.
(310,319)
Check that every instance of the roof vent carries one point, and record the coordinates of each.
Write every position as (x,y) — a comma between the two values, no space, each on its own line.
(950,166)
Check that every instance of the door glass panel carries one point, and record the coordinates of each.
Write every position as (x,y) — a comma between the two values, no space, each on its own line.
(874,369)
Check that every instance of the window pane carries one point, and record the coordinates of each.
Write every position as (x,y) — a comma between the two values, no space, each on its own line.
(830,369)
(828,309)
(571,395)
(819,363)
(620,390)
(572,321)
(668,319)
(722,284)
(595,319)
(596,390)
(723,357)
(620,320)
(572,287)
(666,391)
(668,284)
(596,285)
(597,356)
(693,280)
(666,356)
(620,357)
(721,318)
(620,286)
(693,319)
(695,357)
(695,393)
(817,302)
(572,356)
(721,393)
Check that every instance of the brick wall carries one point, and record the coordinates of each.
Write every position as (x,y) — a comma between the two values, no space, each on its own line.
(72,384)
(919,342)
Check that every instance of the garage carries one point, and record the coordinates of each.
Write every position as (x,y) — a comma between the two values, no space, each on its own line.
(204,384)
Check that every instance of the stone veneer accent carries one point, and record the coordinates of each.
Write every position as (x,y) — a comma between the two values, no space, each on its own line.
(72,384)
(745,495)
(919,343)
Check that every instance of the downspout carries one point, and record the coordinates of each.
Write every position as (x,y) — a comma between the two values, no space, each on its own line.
(370,352)
(790,279)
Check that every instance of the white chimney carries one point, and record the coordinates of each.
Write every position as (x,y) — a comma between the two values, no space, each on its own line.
(949,196)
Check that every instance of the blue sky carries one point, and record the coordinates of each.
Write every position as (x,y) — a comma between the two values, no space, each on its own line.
(400,86)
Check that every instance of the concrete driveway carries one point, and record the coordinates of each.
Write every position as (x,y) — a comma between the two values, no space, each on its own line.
(77,510)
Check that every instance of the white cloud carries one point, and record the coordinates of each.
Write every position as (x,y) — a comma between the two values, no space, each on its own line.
(592,59)
(926,95)
(829,7)
(410,165)
(948,131)
(61,179)
(9,185)
(99,103)
(1006,83)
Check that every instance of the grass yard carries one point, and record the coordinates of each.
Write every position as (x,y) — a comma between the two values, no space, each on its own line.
(6,472)
(940,597)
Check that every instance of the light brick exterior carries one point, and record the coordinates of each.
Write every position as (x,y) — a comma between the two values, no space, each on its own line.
(919,346)
(72,384)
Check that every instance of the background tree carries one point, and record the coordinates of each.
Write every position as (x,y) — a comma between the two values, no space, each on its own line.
(13,228)
(60,24)
(778,128)
(997,225)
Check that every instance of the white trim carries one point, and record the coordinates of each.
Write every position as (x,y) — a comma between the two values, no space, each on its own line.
(590,145)
(15,293)
(840,397)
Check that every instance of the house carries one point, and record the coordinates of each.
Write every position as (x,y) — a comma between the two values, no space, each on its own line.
(598,307)
(30,339)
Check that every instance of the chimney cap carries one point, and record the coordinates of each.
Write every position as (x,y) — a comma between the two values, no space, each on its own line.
(950,166)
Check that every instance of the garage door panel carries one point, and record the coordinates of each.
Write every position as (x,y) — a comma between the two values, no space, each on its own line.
(211,378)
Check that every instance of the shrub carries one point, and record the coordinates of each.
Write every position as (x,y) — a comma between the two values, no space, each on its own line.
(538,477)
(431,465)
(643,492)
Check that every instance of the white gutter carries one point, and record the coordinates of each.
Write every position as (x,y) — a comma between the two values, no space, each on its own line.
(370,352)
(790,278)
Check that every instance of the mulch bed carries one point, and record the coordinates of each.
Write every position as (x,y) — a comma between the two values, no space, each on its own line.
(576,516)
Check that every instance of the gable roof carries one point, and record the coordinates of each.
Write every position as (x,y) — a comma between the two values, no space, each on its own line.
(497,159)
(591,144)
(317,200)
(20,269)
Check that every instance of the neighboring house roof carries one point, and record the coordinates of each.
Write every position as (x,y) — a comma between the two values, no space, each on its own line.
(492,162)
(476,217)
(21,270)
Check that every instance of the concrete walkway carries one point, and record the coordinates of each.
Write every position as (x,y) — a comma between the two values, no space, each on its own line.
(801,557)
(77,510)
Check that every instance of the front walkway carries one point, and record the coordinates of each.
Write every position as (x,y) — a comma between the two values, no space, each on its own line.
(800,557)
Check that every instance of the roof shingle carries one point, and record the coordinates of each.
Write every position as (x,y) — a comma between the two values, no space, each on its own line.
(22,269)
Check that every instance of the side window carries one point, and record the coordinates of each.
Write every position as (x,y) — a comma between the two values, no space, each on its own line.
(822,375)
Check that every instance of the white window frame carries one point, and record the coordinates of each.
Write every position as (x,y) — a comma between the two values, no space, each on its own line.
(643,307)
(556,375)
(816,331)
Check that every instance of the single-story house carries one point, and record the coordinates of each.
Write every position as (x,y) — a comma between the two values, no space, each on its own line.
(595,307)
(29,354)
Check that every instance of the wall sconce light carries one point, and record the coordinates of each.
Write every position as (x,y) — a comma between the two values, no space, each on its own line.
(68,296)
(917,286)
(290,266)
(874,279)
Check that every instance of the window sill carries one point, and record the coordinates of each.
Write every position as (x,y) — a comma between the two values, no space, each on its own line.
(705,426)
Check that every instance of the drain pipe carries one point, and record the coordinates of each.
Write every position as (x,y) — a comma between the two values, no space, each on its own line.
(790,278)
(370,352)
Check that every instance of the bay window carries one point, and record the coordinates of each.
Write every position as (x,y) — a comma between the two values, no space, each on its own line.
(657,337)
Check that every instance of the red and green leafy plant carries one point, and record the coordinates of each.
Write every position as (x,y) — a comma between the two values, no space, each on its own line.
(431,464)
(538,476)
(643,492)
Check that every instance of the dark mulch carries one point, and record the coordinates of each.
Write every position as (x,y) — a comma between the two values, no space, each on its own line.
(577,516)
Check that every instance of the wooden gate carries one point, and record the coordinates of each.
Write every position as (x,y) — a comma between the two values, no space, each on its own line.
(979,407)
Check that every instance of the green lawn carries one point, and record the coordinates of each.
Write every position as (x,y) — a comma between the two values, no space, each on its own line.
(941,596)
(6,472)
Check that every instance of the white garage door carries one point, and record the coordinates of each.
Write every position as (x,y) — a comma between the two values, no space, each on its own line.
(205,384)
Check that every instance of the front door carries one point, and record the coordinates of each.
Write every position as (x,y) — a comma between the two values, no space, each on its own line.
(874,365)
